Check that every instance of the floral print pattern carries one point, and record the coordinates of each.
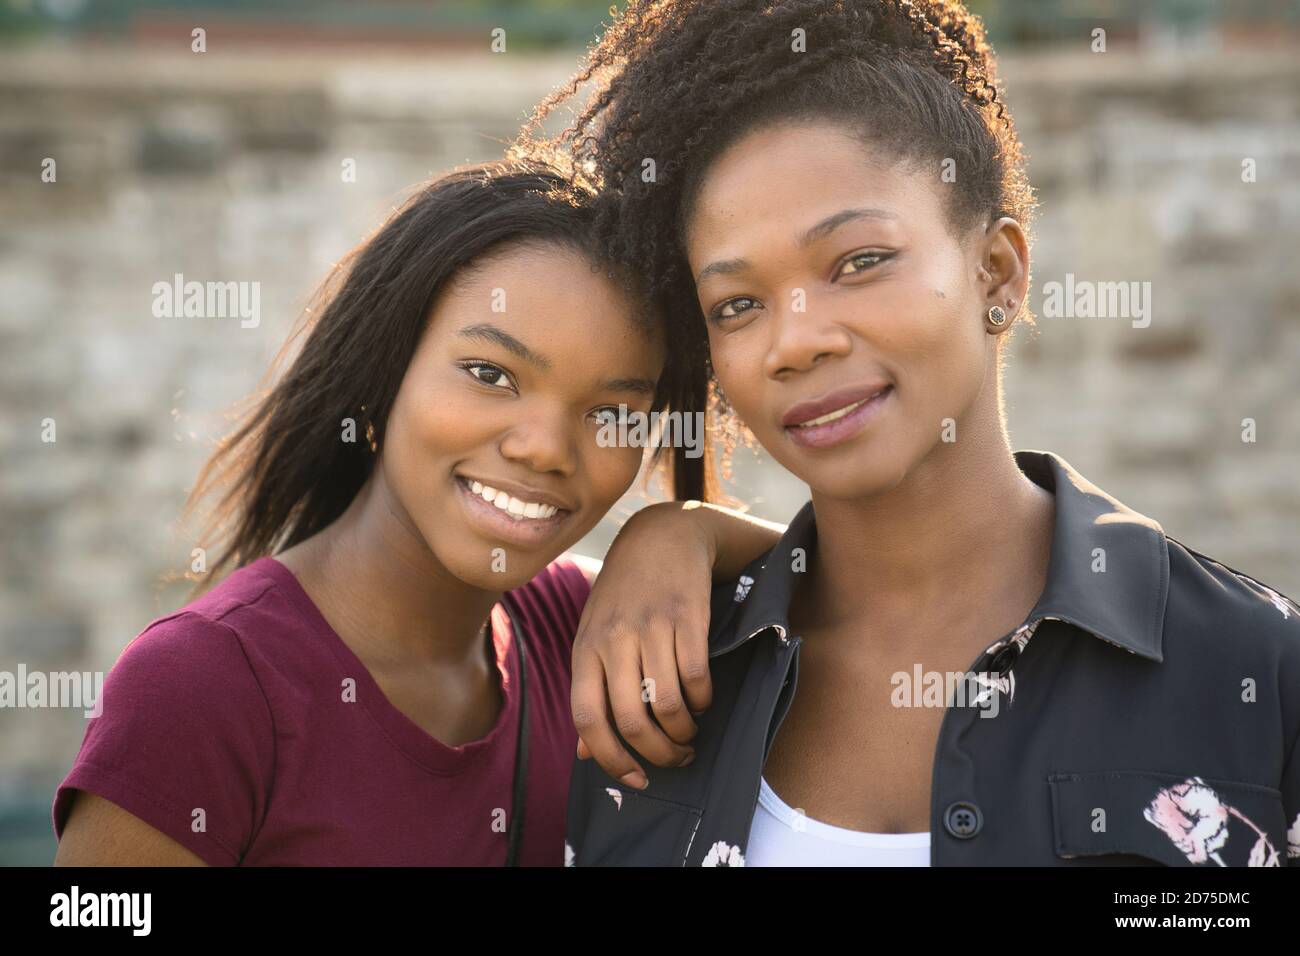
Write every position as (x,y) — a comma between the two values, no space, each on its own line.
(1285,606)
(1005,684)
(723,854)
(1196,821)
(742,587)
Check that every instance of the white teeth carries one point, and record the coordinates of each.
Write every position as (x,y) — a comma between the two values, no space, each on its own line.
(513,506)
(830,416)
(838,413)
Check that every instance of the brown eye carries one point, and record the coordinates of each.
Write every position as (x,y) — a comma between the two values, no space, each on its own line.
(861,262)
(721,311)
(489,374)
(612,415)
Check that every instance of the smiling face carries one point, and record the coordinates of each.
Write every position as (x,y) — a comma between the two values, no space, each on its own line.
(845,320)
(524,355)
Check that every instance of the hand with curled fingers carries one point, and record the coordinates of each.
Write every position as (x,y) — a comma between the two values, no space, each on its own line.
(641,654)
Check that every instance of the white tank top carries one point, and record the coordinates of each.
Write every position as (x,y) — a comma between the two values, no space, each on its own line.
(780,836)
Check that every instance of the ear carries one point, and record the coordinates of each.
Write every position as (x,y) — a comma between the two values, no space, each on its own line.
(1004,265)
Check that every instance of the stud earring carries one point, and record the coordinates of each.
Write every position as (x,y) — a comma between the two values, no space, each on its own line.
(997,316)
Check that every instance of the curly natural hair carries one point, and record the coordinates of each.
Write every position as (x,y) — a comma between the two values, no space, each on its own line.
(677,80)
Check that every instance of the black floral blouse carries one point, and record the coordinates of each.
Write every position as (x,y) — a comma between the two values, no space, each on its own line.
(1147,712)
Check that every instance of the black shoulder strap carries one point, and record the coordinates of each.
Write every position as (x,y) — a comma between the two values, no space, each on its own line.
(519,789)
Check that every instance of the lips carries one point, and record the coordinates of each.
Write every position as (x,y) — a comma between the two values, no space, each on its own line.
(511,526)
(517,507)
(521,493)
(835,419)
(805,413)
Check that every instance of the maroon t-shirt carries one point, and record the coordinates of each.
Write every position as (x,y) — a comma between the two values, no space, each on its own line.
(229,726)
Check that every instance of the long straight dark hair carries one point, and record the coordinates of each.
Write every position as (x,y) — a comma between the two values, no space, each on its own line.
(285,474)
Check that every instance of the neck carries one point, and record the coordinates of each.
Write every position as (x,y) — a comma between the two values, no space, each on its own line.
(965,523)
(372,573)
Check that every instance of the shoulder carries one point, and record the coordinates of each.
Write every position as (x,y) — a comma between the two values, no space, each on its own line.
(1228,596)
(206,636)
(192,668)
(566,579)
(1231,614)
(1231,682)
(180,726)
(554,599)
(187,663)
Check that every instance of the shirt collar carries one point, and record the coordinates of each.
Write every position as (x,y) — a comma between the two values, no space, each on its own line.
(1124,604)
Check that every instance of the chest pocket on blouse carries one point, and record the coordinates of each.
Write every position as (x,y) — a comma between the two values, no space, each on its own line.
(625,827)
(1170,819)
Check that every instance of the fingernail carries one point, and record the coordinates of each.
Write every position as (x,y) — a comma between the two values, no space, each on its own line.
(636,779)
(687,762)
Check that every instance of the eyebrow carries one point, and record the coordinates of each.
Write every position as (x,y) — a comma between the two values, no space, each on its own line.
(486,332)
(819,231)
(642,386)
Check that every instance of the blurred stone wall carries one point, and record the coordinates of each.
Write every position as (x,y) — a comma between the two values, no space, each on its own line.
(1140,168)
(230,169)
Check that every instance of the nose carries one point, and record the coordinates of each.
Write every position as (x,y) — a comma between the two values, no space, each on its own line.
(802,340)
(543,442)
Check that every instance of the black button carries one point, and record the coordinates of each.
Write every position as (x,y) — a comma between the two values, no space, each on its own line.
(963,820)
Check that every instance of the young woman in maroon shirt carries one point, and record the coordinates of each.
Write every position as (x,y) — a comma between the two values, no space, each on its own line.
(351,692)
